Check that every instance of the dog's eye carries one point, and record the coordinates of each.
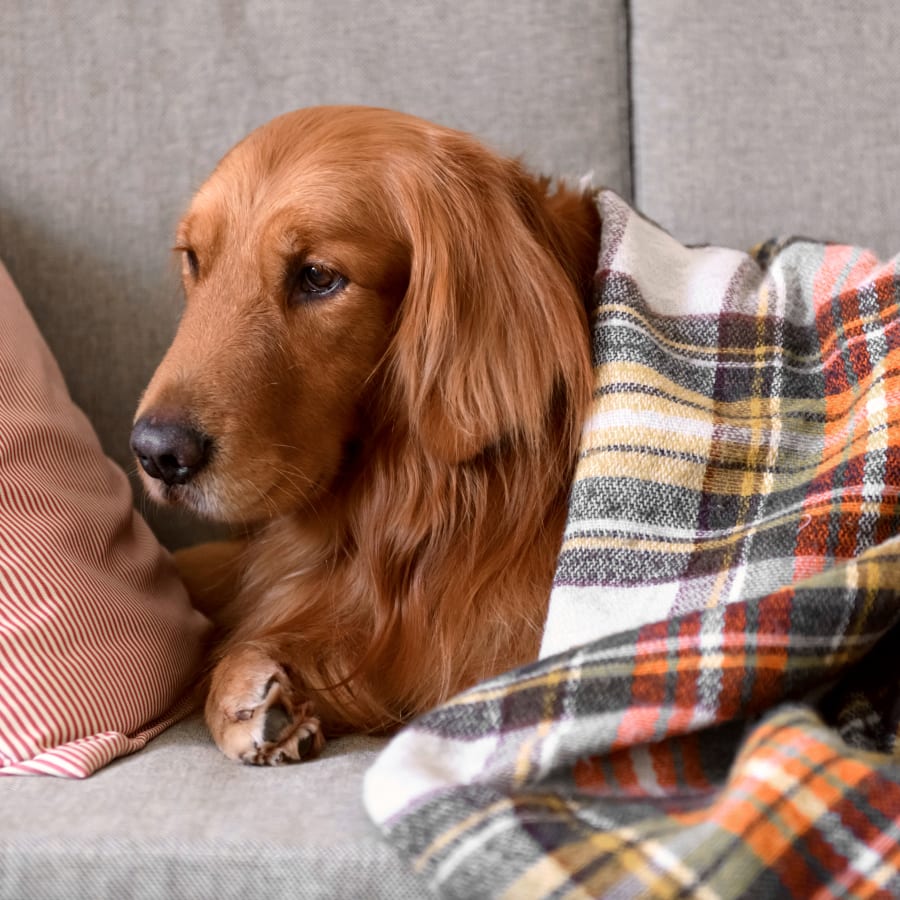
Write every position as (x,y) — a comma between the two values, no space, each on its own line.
(191,263)
(315,281)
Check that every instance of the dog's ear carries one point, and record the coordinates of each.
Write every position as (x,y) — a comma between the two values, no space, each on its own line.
(493,323)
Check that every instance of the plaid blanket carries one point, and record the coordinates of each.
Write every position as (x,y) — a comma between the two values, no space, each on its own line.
(716,708)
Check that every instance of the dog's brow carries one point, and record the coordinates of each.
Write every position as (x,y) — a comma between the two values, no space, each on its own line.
(182,237)
(199,230)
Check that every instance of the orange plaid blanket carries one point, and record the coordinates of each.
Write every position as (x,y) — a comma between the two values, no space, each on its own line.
(716,708)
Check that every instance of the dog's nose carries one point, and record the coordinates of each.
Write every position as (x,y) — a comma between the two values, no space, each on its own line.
(169,449)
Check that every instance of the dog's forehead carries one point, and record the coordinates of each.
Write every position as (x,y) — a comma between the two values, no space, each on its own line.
(236,203)
(324,165)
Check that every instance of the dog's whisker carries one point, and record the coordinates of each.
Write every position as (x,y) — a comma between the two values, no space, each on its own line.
(286,469)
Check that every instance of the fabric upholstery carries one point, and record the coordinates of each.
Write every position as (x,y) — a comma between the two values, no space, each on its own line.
(112,115)
(767,118)
(178,820)
(97,636)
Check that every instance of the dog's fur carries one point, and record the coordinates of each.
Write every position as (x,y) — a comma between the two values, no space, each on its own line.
(397,453)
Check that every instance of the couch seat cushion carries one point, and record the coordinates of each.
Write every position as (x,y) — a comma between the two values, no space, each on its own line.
(179,820)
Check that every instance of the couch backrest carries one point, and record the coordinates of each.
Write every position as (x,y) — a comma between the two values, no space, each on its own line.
(111,114)
(768,118)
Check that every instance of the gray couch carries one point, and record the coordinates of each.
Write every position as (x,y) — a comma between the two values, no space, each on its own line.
(725,122)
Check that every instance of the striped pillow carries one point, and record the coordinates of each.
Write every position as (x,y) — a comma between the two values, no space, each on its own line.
(97,637)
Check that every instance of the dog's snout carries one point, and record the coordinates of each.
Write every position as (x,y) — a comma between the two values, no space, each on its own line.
(169,449)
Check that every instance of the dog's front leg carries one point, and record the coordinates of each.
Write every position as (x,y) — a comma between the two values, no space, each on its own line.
(212,573)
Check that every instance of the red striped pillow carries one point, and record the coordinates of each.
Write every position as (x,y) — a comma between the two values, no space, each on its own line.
(97,636)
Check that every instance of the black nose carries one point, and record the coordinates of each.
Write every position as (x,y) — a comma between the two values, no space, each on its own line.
(169,449)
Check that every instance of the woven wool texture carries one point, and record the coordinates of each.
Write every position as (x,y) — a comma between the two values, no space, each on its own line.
(714,713)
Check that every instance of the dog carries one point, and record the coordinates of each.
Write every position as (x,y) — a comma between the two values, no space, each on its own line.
(379,380)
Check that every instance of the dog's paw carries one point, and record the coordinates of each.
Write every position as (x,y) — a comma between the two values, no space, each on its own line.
(256,716)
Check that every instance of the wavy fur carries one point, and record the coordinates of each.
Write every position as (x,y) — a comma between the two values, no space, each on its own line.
(400,544)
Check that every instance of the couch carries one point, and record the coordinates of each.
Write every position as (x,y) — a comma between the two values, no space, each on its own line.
(726,123)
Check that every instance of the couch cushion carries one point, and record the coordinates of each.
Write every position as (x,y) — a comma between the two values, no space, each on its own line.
(765,119)
(180,820)
(112,116)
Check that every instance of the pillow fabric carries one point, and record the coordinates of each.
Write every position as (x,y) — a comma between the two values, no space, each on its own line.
(97,636)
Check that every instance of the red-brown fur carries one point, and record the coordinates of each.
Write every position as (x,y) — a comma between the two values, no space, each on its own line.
(398,456)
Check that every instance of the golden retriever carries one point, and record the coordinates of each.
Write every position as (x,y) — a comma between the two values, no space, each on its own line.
(380,379)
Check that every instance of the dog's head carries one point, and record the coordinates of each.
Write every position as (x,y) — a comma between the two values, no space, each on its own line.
(348,268)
